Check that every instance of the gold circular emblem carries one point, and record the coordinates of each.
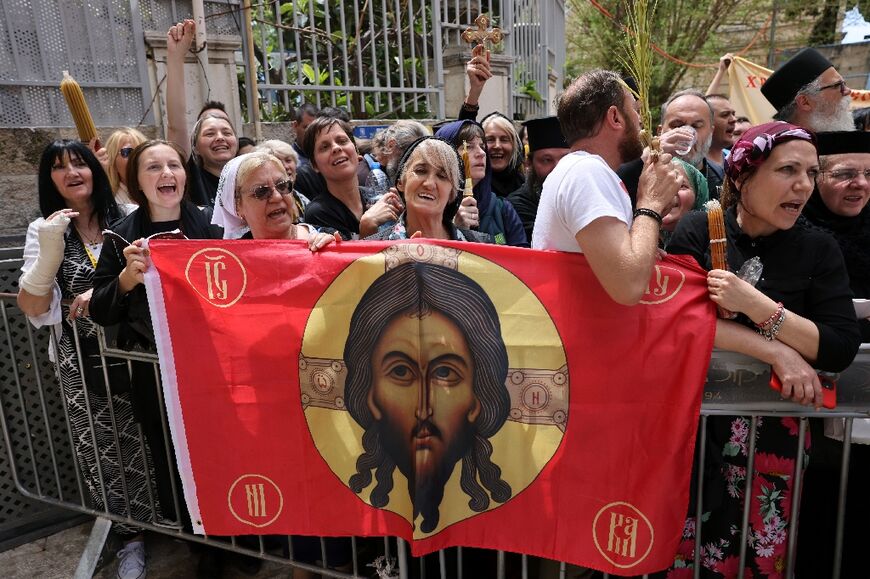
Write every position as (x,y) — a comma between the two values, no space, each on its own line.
(469,341)
(217,275)
(665,283)
(622,534)
(255,500)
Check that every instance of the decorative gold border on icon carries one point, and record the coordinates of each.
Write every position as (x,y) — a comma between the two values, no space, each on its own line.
(223,251)
(240,519)
(642,516)
(668,296)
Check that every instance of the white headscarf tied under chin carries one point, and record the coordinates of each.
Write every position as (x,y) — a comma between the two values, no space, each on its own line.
(225,203)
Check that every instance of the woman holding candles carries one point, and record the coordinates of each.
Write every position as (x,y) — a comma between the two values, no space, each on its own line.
(60,256)
(429,180)
(483,211)
(344,206)
(799,317)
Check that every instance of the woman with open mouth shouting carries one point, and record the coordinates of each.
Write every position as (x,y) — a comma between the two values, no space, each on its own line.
(158,181)
(330,146)
(429,179)
(255,201)
(798,318)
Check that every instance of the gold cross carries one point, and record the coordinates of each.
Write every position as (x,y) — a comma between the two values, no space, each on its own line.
(481,34)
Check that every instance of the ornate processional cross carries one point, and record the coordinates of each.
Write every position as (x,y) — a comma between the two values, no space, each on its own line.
(480,34)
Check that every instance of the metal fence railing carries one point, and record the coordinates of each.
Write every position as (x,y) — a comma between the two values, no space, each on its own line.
(736,385)
(375,59)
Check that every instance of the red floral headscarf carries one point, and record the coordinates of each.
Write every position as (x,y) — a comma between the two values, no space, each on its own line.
(755,145)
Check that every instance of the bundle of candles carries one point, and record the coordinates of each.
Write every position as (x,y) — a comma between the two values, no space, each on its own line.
(469,186)
(718,242)
(81,115)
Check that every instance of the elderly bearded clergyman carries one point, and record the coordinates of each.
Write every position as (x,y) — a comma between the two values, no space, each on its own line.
(426,370)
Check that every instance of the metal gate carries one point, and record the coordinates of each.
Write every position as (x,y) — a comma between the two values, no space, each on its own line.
(27,378)
(100,43)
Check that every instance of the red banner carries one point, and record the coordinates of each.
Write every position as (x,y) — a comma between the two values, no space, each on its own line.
(447,393)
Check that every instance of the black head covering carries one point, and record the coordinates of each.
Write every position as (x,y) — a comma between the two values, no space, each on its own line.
(851,233)
(842,142)
(798,71)
(545,133)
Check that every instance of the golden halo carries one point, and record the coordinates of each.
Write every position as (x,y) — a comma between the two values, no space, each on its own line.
(536,358)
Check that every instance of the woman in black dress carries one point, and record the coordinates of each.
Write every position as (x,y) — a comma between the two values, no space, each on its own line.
(157,180)
(802,314)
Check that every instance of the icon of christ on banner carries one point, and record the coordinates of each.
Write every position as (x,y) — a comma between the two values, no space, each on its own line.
(426,377)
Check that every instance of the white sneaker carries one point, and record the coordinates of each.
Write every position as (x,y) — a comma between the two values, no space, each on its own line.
(131,561)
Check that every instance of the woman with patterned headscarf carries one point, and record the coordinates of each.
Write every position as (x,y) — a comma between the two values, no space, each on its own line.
(798,317)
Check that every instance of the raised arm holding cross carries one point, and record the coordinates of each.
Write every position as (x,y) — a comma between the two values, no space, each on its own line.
(478,69)
(480,34)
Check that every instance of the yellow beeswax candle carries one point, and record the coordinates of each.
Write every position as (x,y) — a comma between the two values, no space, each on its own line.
(75,100)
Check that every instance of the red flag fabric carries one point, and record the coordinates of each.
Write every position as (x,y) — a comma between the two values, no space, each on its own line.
(447,393)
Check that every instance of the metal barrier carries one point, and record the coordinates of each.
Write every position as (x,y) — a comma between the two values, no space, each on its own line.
(736,385)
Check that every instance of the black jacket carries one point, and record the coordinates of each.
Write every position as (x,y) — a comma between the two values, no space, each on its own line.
(130,311)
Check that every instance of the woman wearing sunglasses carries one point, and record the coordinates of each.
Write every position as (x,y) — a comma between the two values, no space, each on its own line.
(290,160)
(255,201)
(119,146)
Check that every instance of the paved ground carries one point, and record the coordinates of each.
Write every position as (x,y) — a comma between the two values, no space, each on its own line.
(56,557)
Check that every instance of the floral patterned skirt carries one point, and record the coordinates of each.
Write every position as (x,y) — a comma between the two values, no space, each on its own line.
(776,449)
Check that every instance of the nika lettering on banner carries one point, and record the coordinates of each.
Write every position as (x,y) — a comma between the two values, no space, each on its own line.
(448,393)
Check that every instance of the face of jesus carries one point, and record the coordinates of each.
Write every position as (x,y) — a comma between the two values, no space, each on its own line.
(422,394)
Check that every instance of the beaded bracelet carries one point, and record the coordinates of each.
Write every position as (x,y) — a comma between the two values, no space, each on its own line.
(648,213)
(772,317)
(771,332)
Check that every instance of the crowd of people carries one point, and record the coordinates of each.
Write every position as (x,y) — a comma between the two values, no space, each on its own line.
(794,193)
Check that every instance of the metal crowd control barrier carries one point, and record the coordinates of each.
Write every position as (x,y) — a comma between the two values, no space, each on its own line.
(736,385)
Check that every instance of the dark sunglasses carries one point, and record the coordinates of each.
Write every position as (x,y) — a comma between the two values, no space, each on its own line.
(125,152)
(263,192)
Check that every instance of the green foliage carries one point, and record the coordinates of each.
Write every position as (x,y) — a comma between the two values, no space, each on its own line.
(530,89)
(303,44)
(693,31)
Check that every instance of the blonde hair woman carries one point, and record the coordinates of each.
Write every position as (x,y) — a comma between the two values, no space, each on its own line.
(119,145)
(290,160)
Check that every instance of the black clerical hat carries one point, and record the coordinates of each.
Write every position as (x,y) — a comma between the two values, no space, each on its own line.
(841,142)
(545,133)
(800,70)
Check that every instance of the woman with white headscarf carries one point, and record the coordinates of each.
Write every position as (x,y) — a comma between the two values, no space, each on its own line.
(255,201)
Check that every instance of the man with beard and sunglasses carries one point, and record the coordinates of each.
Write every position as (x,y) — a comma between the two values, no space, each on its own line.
(584,205)
(808,91)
